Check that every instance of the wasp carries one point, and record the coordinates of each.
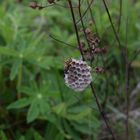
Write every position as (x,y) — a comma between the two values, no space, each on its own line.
(67,65)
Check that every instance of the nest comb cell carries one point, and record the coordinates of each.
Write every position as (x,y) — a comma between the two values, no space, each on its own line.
(77,74)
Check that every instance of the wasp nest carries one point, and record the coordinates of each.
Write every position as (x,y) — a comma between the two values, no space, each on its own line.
(77,74)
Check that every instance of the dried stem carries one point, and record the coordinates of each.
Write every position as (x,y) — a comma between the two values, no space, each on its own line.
(92,17)
(76,29)
(102,112)
(83,26)
(120,15)
(60,41)
(112,25)
(136,54)
(127,83)
(89,6)
(91,85)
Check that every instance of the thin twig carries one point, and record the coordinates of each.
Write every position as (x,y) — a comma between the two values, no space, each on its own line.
(83,26)
(76,29)
(60,41)
(112,25)
(127,82)
(92,17)
(120,15)
(102,112)
(89,5)
(136,54)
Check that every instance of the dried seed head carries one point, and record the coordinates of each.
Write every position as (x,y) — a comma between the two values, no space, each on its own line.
(88,31)
(77,74)
(51,1)
(99,70)
(90,23)
(33,5)
(90,52)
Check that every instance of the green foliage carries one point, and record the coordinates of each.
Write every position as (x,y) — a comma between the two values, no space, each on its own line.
(3,136)
(35,104)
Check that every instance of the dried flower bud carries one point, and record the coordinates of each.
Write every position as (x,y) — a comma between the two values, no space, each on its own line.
(104,50)
(51,1)
(100,51)
(99,70)
(33,5)
(77,74)
(88,54)
(40,7)
(88,31)
(90,23)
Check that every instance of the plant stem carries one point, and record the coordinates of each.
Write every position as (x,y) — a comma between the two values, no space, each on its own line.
(120,15)
(83,26)
(19,81)
(112,25)
(60,41)
(127,82)
(76,29)
(92,17)
(91,85)
(89,5)
(101,111)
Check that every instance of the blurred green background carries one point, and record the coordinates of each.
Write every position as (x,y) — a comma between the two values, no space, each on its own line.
(35,103)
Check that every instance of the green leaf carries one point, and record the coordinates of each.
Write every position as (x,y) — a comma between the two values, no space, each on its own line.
(59,136)
(3,136)
(51,130)
(14,69)
(22,138)
(60,109)
(28,91)
(2,41)
(37,136)
(44,107)
(79,116)
(33,112)
(19,104)
(34,42)
(73,134)
(8,52)
(49,62)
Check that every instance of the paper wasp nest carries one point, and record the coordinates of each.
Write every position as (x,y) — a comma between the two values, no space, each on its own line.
(77,74)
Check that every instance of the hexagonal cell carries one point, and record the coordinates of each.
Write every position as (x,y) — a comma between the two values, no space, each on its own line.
(81,65)
(84,76)
(80,79)
(75,72)
(79,75)
(81,84)
(87,70)
(88,75)
(73,63)
(83,71)
(72,68)
(78,69)
(85,65)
